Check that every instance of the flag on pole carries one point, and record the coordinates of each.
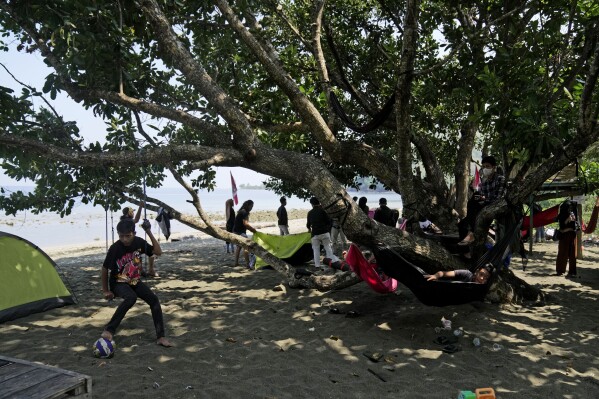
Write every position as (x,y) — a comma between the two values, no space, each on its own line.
(234,188)
(476,181)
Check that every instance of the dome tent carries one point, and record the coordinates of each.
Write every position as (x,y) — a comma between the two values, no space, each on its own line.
(30,282)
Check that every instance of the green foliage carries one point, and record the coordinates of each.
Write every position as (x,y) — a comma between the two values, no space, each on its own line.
(514,75)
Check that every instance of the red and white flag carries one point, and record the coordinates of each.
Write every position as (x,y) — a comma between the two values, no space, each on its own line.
(234,188)
(476,181)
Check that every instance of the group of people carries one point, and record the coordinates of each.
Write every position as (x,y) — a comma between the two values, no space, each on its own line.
(121,270)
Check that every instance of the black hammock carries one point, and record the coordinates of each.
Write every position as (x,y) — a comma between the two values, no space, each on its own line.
(377,120)
(442,292)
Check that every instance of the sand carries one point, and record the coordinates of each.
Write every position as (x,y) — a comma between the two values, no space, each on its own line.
(244,334)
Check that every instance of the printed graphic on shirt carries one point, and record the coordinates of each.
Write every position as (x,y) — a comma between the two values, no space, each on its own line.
(129,267)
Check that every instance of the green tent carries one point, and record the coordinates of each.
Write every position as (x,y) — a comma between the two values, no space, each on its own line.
(294,249)
(29,282)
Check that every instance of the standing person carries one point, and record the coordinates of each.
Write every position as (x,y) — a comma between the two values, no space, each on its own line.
(319,226)
(128,215)
(383,214)
(492,189)
(566,247)
(123,261)
(540,234)
(230,218)
(362,204)
(282,217)
(240,227)
(337,235)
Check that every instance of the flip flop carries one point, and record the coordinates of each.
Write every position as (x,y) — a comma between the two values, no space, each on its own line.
(443,340)
(352,314)
(299,273)
(451,348)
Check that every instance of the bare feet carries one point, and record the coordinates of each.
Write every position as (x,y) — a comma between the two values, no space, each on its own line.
(469,239)
(164,342)
(107,334)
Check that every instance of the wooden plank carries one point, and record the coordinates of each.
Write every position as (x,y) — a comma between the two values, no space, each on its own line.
(56,387)
(23,379)
(13,370)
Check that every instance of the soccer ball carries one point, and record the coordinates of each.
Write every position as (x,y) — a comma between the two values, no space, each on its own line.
(104,348)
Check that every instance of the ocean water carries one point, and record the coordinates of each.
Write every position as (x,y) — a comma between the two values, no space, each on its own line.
(87,223)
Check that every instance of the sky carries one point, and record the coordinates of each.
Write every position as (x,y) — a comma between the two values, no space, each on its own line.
(31,70)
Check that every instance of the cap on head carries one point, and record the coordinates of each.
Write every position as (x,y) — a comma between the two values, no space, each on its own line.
(489,159)
(383,201)
(314,201)
(283,199)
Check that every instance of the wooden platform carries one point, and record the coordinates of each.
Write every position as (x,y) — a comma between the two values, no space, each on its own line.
(23,379)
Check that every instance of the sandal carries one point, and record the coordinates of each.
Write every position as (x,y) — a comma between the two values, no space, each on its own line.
(451,348)
(443,340)
(352,314)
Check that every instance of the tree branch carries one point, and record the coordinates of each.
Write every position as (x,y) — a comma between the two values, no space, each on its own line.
(199,78)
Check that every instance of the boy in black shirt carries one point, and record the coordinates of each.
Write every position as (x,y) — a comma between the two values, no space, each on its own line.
(124,263)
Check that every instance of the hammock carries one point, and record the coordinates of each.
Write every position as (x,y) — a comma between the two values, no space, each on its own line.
(367,271)
(549,216)
(590,228)
(377,120)
(442,292)
(295,249)
(542,218)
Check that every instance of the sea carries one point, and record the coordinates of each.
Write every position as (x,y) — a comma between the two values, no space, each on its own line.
(88,223)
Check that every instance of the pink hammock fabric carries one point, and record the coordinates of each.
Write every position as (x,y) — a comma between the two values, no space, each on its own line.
(367,271)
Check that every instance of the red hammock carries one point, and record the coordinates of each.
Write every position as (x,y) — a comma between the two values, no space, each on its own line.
(590,228)
(549,216)
(367,271)
(542,218)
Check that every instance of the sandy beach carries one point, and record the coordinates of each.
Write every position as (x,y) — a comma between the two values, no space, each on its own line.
(244,334)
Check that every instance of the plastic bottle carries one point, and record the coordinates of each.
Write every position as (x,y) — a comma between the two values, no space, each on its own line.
(466,395)
(446,323)
(497,347)
(458,332)
(476,342)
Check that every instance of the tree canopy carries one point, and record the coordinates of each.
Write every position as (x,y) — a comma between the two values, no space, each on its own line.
(185,86)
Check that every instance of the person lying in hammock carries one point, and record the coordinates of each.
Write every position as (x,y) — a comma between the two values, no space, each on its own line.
(480,275)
